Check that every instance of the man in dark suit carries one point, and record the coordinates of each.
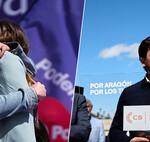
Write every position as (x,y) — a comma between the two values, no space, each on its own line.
(137,94)
(80,122)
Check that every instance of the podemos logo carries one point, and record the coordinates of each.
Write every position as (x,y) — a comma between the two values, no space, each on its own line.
(58,130)
(7,7)
(57,78)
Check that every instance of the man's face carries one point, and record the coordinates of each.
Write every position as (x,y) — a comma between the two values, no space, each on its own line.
(89,108)
(146,61)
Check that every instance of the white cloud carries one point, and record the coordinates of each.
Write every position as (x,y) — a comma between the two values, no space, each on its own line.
(116,51)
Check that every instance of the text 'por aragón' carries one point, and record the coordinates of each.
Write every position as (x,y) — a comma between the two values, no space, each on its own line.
(108,87)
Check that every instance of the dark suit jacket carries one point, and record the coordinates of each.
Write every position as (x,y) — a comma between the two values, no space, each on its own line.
(80,122)
(137,94)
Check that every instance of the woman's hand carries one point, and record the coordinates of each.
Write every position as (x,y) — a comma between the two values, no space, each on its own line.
(3,48)
(39,90)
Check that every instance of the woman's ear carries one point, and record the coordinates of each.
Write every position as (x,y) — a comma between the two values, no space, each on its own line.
(143,61)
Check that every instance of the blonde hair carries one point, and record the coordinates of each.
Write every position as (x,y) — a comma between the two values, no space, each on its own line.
(30,79)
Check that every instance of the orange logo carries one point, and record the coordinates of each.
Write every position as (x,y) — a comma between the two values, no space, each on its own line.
(135,117)
(128,117)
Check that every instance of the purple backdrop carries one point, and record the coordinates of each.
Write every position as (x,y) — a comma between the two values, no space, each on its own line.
(53,29)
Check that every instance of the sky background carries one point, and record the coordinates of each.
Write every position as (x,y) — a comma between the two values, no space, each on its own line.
(111,34)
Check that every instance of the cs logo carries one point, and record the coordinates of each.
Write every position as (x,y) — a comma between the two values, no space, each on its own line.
(128,117)
(131,117)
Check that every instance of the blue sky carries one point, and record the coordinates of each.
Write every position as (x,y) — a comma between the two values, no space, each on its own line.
(111,33)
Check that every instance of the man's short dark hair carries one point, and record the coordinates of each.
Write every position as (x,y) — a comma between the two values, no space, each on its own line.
(144,47)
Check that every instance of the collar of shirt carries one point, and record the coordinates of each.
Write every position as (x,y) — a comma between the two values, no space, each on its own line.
(147,80)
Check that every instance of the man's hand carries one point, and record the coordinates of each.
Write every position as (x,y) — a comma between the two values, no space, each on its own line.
(3,48)
(39,90)
(139,139)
